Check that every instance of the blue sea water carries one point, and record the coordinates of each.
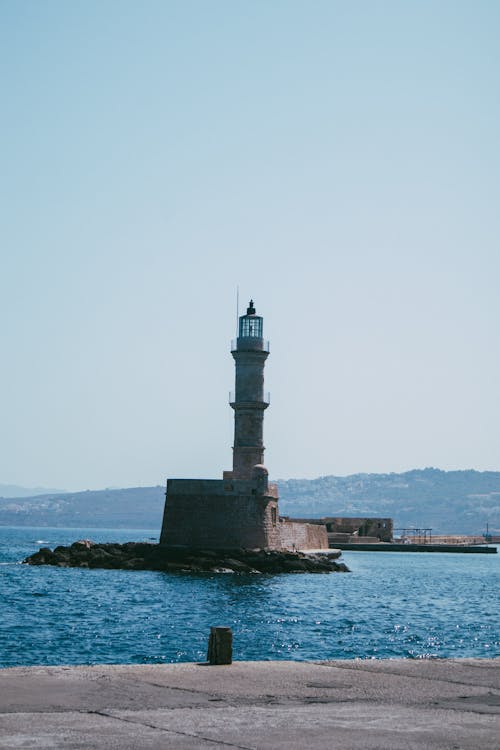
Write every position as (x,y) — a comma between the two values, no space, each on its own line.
(391,605)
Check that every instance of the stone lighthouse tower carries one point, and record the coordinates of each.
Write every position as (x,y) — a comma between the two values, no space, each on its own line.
(241,509)
(249,401)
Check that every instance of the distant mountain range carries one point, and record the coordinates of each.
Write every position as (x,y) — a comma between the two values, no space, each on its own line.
(133,508)
(453,502)
(13,490)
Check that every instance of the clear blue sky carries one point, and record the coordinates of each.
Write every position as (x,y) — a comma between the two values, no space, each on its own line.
(337,160)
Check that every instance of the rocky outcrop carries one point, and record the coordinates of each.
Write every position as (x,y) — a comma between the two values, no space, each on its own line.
(144,556)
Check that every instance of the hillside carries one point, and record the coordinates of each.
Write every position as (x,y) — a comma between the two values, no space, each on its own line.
(455,502)
(133,508)
(13,490)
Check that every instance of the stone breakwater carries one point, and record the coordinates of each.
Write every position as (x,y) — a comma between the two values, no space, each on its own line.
(144,556)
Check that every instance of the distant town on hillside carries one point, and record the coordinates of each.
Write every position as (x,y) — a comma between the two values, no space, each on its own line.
(449,502)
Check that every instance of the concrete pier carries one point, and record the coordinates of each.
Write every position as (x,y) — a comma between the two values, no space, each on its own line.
(352,705)
(394,547)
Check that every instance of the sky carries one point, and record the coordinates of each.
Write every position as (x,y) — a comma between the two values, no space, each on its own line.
(339,162)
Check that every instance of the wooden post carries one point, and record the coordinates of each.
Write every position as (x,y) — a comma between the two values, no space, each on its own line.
(220,646)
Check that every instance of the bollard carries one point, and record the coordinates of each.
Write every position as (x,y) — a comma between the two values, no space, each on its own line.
(220,646)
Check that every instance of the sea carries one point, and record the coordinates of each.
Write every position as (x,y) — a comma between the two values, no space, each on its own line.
(391,605)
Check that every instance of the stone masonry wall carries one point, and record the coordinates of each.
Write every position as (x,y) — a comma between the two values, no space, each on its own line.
(380,528)
(301,536)
(219,514)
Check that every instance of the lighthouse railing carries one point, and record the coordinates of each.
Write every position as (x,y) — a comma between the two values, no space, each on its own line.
(252,341)
(266,398)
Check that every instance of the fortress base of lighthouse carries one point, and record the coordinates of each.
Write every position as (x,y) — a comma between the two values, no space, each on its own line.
(232,513)
(218,514)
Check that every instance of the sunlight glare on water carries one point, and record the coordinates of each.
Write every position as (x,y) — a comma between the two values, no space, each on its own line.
(391,605)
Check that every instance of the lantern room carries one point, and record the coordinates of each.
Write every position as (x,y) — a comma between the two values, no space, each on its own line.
(251,325)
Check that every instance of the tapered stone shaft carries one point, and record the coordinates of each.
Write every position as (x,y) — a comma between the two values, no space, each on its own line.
(250,352)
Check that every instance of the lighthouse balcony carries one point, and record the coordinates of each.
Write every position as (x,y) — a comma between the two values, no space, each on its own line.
(249,343)
(265,400)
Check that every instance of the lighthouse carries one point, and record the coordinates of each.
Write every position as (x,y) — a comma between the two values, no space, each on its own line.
(249,400)
(241,509)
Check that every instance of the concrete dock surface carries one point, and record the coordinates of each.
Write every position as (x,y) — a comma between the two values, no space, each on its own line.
(448,704)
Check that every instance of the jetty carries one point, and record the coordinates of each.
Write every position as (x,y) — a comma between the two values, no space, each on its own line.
(424,704)
(483,549)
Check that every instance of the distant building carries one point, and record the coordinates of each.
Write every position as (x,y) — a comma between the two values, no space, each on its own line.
(241,509)
(342,529)
(359,529)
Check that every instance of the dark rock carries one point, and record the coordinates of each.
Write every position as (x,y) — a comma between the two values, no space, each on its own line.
(236,566)
(44,556)
(146,556)
(100,558)
(82,544)
(342,568)
(135,563)
(78,557)
(296,566)
(176,566)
